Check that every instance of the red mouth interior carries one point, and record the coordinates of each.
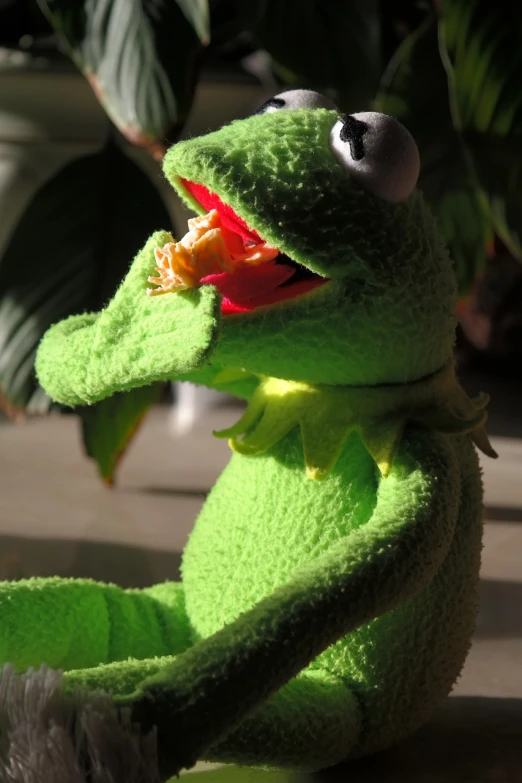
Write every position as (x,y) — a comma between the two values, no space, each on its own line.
(250,287)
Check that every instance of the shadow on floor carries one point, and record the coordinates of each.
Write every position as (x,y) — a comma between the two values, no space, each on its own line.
(124,565)
(503,514)
(500,614)
(470,740)
(200,494)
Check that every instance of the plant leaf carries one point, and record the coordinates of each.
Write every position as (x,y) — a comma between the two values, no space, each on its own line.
(68,253)
(109,426)
(415,90)
(483,56)
(197,14)
(327,44)
(139,57)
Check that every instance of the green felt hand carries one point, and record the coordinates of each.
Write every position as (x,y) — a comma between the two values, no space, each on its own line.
(136,340)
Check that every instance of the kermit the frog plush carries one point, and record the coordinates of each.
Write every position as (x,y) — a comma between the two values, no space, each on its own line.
(330,584)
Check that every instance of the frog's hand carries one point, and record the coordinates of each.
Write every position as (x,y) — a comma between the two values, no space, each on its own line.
(209,690)
(79,623)
(136,340)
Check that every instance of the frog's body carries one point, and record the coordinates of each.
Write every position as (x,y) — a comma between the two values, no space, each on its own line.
(329,586)
(243,563)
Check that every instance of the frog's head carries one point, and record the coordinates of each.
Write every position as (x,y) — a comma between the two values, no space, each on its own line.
(361,293)
(363,290)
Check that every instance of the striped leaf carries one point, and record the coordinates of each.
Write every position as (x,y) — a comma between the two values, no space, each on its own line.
(140,58)
(67,255)
(482,43)
(327,44)
(415,90)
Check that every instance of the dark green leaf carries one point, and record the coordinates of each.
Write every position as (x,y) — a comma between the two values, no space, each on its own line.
(415,90)
(70,250)
(399,19)
(139,56)
(109,426)
(483,55)
(228,36)
(324,43)
(196,12)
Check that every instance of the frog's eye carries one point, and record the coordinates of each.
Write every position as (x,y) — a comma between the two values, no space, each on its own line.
(297,99)
(379,152)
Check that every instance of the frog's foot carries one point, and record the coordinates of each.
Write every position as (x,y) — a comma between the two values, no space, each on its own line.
(77,623)
(312,723)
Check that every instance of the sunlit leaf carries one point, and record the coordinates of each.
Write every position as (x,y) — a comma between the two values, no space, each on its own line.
(483,56)
(415,90)
(109,426)
(324,43)
(140,58)
(197,13)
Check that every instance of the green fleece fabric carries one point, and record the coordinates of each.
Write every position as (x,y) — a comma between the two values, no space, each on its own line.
(279,615)
(326,415)
(316,620)
(388,313)
(98,623)
(135,341)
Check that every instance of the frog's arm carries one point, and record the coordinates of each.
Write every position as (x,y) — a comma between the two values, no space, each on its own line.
(209,690)
(136,340)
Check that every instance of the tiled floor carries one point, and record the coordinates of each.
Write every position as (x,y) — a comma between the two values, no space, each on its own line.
(56,517)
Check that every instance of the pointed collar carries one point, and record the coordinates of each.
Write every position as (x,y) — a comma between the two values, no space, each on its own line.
(327,415)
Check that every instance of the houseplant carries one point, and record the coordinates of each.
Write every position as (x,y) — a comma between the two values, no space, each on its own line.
(450,70)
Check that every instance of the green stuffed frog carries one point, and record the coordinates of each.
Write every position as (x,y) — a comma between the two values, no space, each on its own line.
(329,586)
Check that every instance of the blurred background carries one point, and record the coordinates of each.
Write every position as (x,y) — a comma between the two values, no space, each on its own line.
(92,93)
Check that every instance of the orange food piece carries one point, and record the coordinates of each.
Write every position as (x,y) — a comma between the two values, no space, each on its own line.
(206,249)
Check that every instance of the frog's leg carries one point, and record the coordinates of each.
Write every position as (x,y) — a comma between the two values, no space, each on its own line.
(198,699)
(311,723)
(76,623)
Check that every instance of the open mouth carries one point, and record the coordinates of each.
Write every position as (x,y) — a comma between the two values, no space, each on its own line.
(249,287)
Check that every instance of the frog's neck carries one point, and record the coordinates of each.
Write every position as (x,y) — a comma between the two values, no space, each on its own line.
(327,415)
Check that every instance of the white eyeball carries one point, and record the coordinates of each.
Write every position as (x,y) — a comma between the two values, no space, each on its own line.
(297,99)
(379,152)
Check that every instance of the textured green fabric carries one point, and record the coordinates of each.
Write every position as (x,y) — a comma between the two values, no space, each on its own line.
(280,615)
(388,314)
(93,622)
(121,677)
(316,620)
(326,415)
(268,609)
(313,721)
(135,341)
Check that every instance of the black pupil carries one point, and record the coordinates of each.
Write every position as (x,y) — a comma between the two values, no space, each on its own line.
(276,103)
(353,131)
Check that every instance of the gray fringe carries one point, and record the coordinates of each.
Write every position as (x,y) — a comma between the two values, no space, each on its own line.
(46,737)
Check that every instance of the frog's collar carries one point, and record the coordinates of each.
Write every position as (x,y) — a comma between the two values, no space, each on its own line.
(327,415)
